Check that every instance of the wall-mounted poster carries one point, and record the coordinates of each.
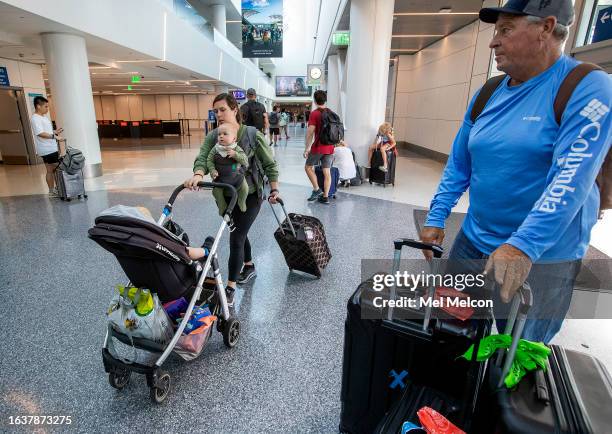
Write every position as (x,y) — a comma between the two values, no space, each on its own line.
(262,28)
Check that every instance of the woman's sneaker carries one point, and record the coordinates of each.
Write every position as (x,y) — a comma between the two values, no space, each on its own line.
(248,272)
(324,200)
(315,195)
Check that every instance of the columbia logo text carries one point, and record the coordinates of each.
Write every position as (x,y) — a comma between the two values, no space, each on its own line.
(570,163)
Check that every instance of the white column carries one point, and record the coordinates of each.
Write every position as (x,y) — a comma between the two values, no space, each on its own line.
(68,70)
(333,84)
(367,72)
(218,18)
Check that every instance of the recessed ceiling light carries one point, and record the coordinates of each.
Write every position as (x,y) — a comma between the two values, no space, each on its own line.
(446,10)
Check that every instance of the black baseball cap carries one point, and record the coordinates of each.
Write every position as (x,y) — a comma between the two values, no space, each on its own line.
(563,10)
(251,91)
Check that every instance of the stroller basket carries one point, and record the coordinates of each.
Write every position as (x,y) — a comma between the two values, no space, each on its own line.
(150,256)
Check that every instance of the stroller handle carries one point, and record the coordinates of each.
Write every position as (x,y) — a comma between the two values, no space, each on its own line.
(207,185)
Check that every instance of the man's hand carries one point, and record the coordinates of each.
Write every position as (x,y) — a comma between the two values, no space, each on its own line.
(58,131)
(510,268)
(306,152)
(430,234)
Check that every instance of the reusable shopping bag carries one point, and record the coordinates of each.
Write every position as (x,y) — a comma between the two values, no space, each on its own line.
(136,312)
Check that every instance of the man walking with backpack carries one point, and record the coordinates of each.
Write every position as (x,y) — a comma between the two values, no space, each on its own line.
(324,131)
(274,119)
(254,113)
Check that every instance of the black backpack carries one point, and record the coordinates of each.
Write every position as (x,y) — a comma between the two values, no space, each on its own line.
(273,118)
(332,130)
(604,178)
(253,114)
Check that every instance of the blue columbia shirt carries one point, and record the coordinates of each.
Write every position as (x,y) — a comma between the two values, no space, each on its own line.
(531,181)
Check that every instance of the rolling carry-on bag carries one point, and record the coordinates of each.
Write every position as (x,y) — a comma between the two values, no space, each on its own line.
(378,176)
(573,395)
(422,352)
(335,179)
(302,240)
(70,186)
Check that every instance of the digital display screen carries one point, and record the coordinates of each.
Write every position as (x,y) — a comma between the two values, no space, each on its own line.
(239,94)
(292,86)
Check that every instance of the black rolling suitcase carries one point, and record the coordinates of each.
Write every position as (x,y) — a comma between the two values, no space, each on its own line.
(302,240)
(574,395)
(378,176)
(375,351)
(335,179)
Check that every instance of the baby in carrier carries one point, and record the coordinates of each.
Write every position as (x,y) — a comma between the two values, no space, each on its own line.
(227,163)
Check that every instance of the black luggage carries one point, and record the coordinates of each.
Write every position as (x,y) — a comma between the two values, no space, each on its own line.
(70,186)
(412,400)
(574,395)
(358,179)
(378,176)
(376,350)
(335,179)
(302,240)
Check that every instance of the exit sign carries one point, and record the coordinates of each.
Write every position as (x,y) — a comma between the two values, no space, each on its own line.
(341,38)
(135,78)
(129,87)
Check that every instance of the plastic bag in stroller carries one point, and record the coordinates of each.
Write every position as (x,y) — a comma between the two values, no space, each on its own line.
(155,258)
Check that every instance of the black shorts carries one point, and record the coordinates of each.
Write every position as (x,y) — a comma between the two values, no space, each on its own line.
(275,131)
(52,158)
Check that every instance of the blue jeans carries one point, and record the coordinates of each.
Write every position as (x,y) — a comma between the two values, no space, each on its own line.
(551,284)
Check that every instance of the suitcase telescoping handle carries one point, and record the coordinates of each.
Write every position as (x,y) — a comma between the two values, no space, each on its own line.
(521,303)
(280,225)
(437,250)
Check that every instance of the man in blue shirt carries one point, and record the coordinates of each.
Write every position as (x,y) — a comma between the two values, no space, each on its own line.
(533,198)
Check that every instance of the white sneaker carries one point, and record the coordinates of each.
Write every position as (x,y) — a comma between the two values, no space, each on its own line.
(53,193)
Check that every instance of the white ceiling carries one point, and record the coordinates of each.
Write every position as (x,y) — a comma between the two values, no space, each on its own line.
(20,40)
(463,12)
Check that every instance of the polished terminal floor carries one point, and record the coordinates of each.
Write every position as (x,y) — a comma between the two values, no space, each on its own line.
(285,373)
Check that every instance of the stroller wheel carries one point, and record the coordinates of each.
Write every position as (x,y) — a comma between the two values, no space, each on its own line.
(231,332)
(119,379)
(159,392)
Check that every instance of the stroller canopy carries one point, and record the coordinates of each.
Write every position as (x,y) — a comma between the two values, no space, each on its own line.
(151,256)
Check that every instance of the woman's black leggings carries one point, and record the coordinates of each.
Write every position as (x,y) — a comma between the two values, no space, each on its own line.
(240,247)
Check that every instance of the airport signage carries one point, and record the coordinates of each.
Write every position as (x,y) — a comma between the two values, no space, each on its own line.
(4,78)
(603,26)
(341,39)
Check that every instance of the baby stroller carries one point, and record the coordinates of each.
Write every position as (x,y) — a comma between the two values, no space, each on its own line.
(155,258)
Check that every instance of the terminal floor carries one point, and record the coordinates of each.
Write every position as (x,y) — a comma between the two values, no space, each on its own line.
(284,375)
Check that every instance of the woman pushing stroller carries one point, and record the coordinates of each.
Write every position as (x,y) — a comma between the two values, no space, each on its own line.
(260,162)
